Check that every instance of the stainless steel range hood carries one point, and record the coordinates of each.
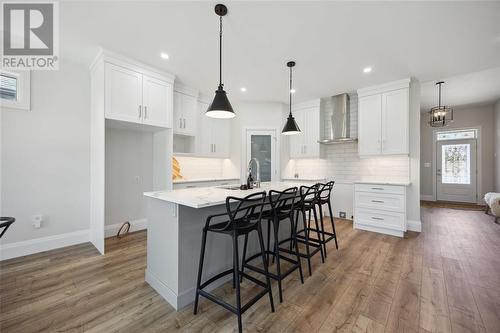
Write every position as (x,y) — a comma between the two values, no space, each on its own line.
(335,119)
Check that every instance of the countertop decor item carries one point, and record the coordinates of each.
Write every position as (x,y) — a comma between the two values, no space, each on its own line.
(291,126)
(220,107)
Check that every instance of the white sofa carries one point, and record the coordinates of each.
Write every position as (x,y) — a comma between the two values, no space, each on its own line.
(493,204)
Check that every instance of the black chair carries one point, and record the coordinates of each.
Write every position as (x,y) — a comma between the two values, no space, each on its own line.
(5,223)
(323,198)
(306,204)
(282,209)
(243,216)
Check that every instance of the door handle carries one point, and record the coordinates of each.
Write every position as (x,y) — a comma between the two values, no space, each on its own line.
(378,201)
(180,122)
(145,112)
(377,218)
(140,111)
(215,147)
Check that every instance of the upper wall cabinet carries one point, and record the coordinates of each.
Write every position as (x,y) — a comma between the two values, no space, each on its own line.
(185,110)
(214,137)
(305,144)
(383,119)
(136,95)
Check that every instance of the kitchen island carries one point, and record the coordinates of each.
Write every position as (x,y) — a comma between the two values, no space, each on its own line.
(175,222)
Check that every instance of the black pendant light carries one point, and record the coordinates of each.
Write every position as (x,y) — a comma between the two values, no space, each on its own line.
(291,126)
(220,107)
(441,115)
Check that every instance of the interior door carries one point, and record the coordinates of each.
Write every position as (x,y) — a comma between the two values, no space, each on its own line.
(157,106)
(123,94)
(456,170)
(370,125)
(261,144)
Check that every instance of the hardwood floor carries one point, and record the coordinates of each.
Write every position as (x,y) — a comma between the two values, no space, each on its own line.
(446,279)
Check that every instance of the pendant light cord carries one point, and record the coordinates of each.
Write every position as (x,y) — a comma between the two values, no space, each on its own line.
(439,100)
(290,91)
(220,51)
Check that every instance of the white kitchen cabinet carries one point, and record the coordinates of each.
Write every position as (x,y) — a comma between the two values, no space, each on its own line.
(369,125)
(157,99)
(383,119)
(395,122)
(123,91)
(305,144)
(185,111)
(214,135)
(380,207)
(134,97)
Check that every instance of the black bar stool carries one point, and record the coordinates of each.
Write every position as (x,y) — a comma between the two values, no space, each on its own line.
(282,208)
(5,223)
(323,198)
(243,216)
(307,203)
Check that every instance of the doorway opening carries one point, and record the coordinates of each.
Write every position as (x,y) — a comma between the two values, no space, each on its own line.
(456,165)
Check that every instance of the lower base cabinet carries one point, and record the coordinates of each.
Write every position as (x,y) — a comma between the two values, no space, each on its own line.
(380,208)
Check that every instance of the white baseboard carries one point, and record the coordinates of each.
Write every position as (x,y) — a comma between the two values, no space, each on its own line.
(135,225)
(427,197)
(414,225)
(31,246)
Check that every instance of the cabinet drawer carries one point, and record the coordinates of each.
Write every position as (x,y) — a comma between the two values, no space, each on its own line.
(379,218)
(376,188)
(384,201)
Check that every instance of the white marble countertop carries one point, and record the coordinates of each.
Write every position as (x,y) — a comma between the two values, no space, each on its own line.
(200,180)
(383,182)
(211,196)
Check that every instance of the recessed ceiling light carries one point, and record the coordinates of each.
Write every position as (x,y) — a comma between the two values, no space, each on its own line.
(292,91)
(243,89)
(367,70)
(164,55)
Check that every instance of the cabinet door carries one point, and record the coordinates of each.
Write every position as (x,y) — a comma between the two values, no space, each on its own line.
(311,134)
(178,124)
(204,137)
(369,125)
(297,140)
(221,137)
(123,91)
(189,113)
(395,122)
(157,102)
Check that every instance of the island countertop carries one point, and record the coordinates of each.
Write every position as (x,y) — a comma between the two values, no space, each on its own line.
(201,197)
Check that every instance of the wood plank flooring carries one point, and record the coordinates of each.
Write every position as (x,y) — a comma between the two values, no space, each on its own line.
(445,279)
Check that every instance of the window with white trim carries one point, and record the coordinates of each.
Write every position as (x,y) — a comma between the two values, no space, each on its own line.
(15,89)
(457,135)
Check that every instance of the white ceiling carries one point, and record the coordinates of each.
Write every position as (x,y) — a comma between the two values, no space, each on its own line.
(330,41)
(462,90)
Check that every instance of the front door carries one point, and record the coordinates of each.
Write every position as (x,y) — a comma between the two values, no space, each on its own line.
(261,144)
(456,170)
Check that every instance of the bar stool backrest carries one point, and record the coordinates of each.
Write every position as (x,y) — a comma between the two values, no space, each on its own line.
(282,200)
(5,223)
(325,190)
(308,193)
(247,209)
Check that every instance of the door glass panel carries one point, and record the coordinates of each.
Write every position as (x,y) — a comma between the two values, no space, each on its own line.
(261,150)
(455,164)
(457,135)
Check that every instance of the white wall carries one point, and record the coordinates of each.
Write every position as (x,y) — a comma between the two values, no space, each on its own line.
(129,173)
(254,115)
(496,139)
(45,155)
(206,168)
(482,116)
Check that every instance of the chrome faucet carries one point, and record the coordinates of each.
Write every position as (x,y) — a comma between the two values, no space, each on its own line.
(257,181)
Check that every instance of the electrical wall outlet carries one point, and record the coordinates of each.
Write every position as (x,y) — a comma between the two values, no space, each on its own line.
(342,215)
(36,221)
